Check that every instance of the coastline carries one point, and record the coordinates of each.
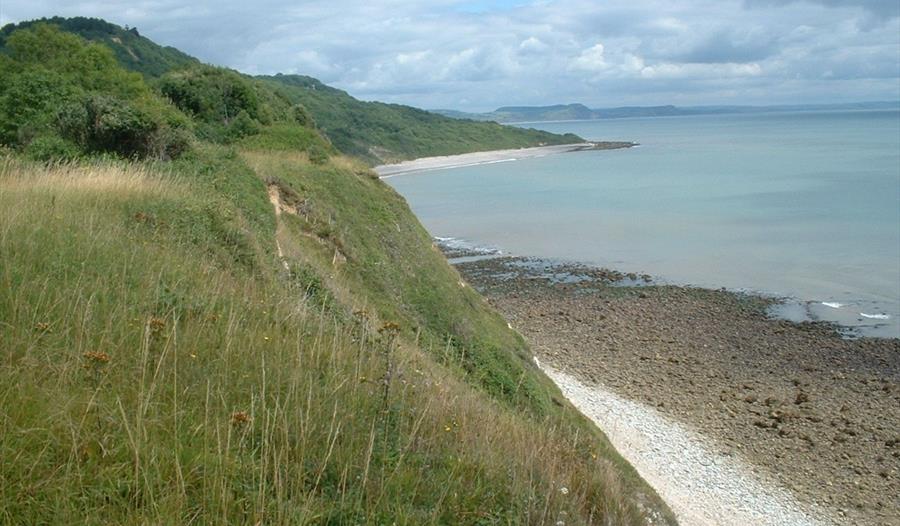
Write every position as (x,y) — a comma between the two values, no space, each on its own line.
(443,162)
(816,413)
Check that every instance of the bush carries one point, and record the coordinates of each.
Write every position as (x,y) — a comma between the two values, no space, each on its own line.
(242,126)
(51,148)
(302,116)
(27,100)
(318,155)
(212,95)
(64,94)
(101,123)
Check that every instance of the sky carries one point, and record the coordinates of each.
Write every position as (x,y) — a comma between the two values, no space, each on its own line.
(477,55)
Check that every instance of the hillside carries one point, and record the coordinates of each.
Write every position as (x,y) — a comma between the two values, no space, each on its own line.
(132,50)
(375,132)
(210,316)
(566,112)
(382,133)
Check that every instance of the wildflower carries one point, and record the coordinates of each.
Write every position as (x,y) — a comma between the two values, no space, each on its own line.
(266,338)
(239,418)
(156,324)
(97,357)
(564,490)
(447,428)
(390,328)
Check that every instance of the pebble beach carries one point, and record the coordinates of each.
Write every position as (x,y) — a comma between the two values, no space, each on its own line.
(814,416)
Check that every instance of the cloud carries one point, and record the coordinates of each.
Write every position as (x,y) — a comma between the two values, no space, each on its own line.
(727,47)
(591,59)
(881,8)
(480,54)
(700,71)
(532,45)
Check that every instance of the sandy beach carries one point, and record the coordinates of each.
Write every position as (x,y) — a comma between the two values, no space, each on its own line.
(814,418)
(494,156)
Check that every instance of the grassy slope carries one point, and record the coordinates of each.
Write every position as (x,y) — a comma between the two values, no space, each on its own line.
(172,272)
(379,132)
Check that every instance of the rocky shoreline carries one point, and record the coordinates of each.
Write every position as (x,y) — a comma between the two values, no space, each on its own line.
(818,413)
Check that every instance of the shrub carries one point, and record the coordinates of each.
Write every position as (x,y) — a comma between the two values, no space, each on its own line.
(51,148)
(102,123)
(212,95)
(65,93)
(242,126)
(302,116)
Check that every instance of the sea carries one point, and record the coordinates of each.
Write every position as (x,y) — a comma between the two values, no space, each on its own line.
(803,206)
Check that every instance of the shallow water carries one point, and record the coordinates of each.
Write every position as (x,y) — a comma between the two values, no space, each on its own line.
(804,205)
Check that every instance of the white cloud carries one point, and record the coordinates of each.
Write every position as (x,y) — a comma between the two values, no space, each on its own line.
(591,59)
(411,58)
(700,71)
(532,45)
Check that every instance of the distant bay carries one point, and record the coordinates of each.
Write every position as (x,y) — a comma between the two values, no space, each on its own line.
(802,205)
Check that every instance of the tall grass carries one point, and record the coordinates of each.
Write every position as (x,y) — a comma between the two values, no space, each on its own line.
(148,376)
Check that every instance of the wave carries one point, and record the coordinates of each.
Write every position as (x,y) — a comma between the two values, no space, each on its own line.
(834,304)
(455,243)
(875,316)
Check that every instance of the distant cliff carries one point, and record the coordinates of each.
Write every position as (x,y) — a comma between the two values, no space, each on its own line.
(573,112)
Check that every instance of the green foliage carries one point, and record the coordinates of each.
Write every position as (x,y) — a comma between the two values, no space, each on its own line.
(52,148)
(100,123)
(302,116)
(55,84)
(290,137)
(229,106)
(132,51)
(211,95)
(28,101)
(379,132)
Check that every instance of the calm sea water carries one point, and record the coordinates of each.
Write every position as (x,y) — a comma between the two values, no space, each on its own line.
(802,205)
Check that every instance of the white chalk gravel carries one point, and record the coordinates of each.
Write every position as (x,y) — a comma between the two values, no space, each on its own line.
(702,487)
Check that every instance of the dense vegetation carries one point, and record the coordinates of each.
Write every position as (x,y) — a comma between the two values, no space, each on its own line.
(133,51)
(61,97)
(249,328)
(372,131)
